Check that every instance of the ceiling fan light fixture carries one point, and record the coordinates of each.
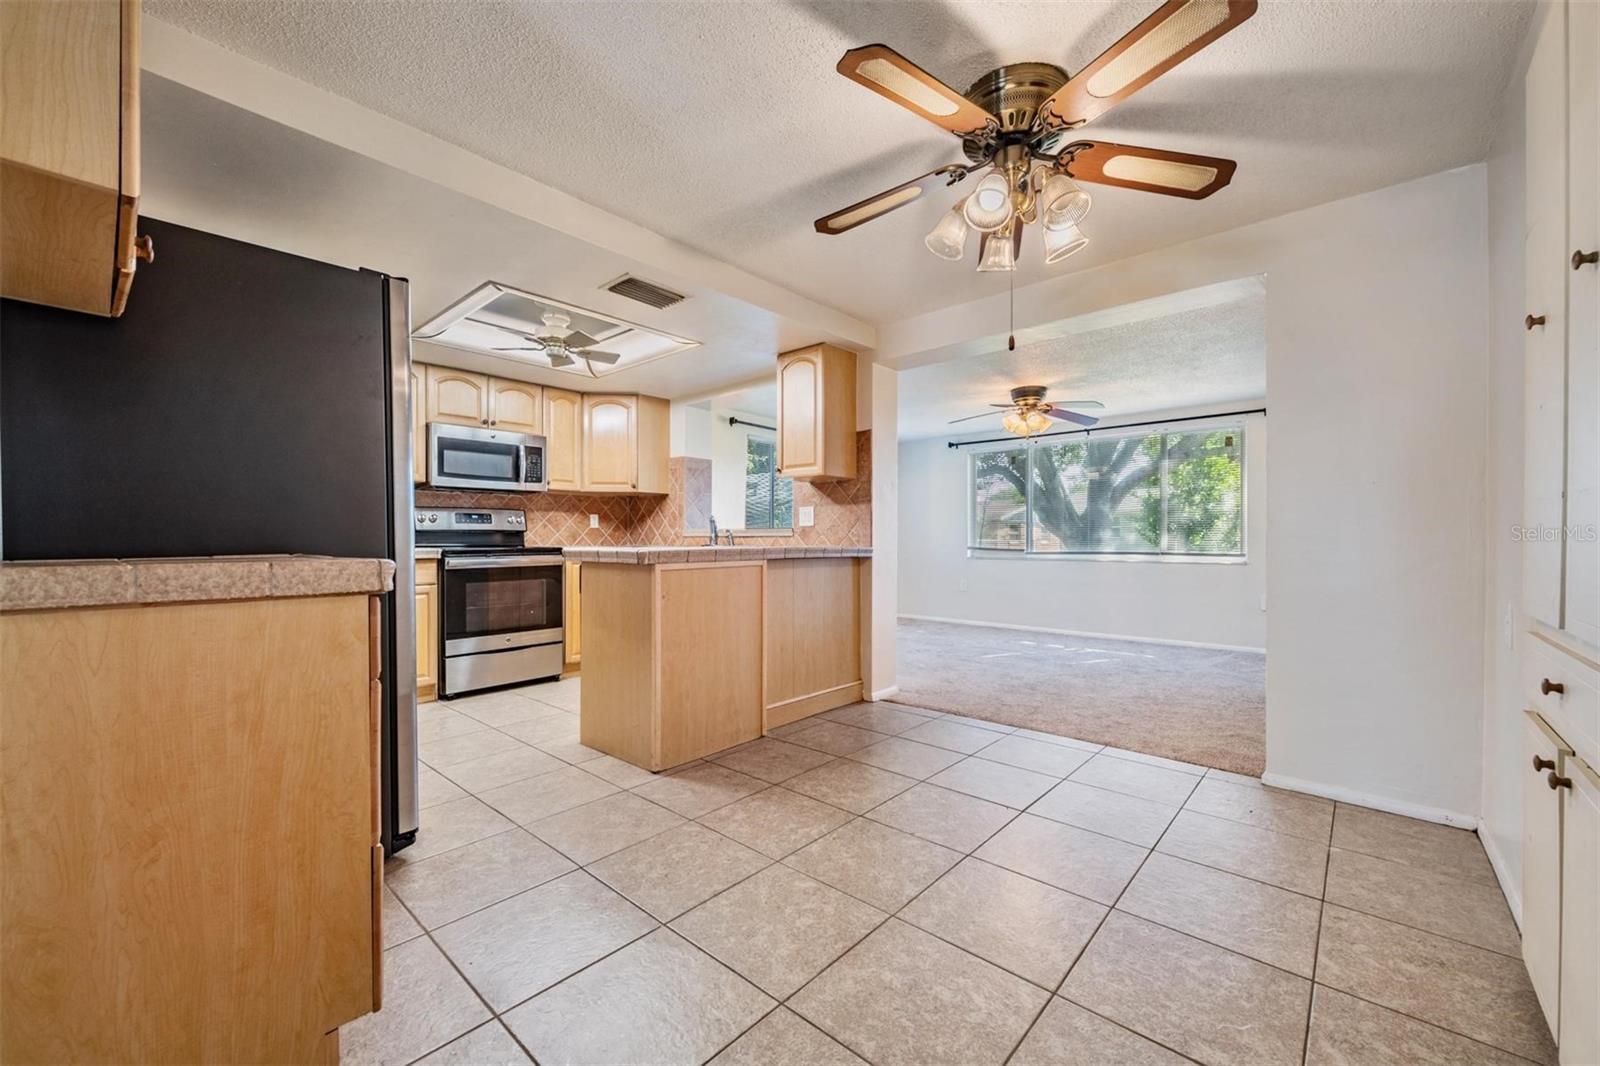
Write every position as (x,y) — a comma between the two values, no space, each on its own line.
(948,240)
(989,206)
(1065,204)
(999,252)
(1060,243)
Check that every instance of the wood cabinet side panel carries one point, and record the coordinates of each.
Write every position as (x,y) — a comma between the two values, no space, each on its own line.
(618,705)
(813,627)
(572,617)
(200,770)
(654,433)
(709,648)
(838,412)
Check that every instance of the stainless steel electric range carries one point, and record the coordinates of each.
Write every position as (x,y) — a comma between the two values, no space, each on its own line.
(500,603)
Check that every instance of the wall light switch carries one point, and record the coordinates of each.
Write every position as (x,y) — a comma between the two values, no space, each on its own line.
(594,521)
(808,516)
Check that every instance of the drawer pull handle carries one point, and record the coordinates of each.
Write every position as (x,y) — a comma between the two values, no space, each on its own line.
(1533,320)
(1546,686)
(145,248)
(1557,781)
(1543,764)
(1582,259)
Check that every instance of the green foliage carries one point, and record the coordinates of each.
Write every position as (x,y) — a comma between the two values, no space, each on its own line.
(1173,492)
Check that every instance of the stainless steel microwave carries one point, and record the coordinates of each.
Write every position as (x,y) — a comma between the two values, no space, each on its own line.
(489,460)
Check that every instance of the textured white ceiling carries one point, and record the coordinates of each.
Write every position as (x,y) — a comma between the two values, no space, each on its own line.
(1205,357)
(723,125)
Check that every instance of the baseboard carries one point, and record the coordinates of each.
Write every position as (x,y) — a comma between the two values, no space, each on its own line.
(1081,633)
(1377,803)
(1509,887)
(885,693)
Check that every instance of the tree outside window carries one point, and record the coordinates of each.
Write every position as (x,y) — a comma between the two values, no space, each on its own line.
(1144,494)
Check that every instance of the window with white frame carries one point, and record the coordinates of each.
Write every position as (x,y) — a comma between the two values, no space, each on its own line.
(768,498)
(1133,493)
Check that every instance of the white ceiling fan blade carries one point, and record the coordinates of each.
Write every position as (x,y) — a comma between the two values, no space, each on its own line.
(560,360)
(1095,405)
(969,418)
(603,358)
(579,339)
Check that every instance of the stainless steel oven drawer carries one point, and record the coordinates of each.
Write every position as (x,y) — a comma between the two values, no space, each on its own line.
(463,673)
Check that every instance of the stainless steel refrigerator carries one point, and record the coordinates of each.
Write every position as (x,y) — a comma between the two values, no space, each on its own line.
(248,402)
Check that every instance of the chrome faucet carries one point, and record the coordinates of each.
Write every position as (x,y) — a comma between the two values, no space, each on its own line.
(730,538)
(713,541)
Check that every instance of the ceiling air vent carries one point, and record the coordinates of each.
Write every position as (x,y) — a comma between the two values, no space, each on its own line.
(646,292)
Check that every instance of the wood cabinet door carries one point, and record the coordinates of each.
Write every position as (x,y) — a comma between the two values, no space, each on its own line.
(800,414)
(1541,867)
(572,593)
(1580,918)
(610,444)
(427,640)
(419,424)
(1544,347)
(1582,608)
(459,397)
(516,405)
(563,433)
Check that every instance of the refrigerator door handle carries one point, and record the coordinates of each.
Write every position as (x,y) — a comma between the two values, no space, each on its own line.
(403,684)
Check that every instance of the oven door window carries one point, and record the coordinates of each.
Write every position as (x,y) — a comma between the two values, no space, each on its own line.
(481,460)
(501,600)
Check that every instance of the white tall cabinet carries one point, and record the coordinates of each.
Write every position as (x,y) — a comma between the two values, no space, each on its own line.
(1561,528)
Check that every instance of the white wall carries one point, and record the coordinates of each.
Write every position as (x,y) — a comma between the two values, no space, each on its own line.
(1503,769)
(1195,602)
(878,409)
(1376,373)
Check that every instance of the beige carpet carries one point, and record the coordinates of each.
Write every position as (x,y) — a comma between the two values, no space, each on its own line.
(1194,704)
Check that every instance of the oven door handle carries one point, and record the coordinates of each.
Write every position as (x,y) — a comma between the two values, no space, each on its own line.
(492,562)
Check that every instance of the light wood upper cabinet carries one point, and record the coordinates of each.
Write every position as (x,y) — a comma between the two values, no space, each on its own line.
(563,422)
(625,441)
(459,397)
(610,443)
(69,152)
(516,405)
(817,414)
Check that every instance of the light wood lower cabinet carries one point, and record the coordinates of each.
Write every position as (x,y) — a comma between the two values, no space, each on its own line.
(813,646)
(572,614)
(189,830)
(683,660)
(427,629)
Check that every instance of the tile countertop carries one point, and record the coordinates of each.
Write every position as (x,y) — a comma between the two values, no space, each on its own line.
(55,583)
(721,554)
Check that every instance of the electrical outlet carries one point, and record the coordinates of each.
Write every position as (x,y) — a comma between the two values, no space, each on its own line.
(808,516)
(594,521)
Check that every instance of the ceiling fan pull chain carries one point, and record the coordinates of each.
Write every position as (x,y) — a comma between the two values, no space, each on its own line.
(1011,341)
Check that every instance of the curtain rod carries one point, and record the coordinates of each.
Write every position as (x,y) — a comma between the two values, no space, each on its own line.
(752,425)
(1102,429)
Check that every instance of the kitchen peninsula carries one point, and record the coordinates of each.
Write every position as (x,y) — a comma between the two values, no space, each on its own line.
(689,651)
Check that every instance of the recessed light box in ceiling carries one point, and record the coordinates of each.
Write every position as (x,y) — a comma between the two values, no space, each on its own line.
(499,320)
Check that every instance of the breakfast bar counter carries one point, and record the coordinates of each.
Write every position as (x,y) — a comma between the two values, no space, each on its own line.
(690,651)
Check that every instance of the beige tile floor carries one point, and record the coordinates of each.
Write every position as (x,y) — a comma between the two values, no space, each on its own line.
(890,885)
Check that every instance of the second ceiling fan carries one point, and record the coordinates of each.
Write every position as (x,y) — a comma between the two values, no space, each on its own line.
(1018,121)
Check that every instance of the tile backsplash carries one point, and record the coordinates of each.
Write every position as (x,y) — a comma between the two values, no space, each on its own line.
(843,509)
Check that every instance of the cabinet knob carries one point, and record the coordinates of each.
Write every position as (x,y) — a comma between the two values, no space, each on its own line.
(1546,686)
(1533,320)
(1540,765)
(1580,259)
(485,421)
(1556,781)
(144,247)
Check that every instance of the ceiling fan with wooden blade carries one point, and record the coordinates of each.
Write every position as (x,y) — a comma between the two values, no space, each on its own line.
(1016,123)
(1028,413)
(562,348)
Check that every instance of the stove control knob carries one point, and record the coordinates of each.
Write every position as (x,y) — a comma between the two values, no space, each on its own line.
(432,518)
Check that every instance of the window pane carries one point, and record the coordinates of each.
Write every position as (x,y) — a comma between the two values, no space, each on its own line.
(1205,492)
(999,515)
(768,498)
(1100,494)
